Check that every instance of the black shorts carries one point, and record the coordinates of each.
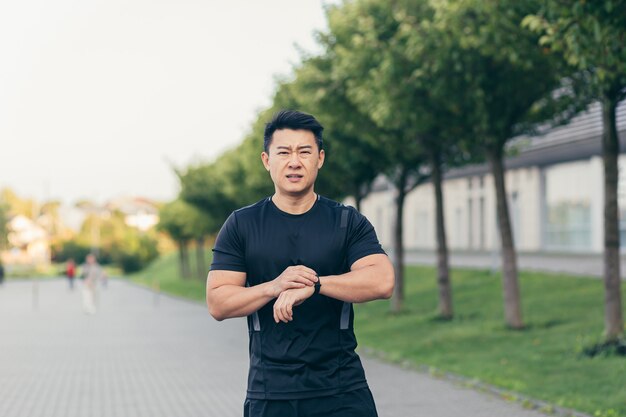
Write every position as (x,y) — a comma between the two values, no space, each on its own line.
(357,403)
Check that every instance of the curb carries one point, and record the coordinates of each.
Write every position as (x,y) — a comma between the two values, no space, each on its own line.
(159,293)
(471,383)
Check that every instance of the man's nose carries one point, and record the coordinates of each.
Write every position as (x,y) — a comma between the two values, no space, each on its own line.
(294,161)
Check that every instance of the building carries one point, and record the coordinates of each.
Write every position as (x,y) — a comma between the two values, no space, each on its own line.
(29,243)
(555,193)
(139,212)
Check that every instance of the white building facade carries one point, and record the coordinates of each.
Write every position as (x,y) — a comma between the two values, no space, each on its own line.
(555,188)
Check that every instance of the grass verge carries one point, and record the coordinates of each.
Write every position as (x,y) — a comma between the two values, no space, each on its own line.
(545,361)
(163,274)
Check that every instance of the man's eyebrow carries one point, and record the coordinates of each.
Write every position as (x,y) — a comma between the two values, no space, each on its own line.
(299,147)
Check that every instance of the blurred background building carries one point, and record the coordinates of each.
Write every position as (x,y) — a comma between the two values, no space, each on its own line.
(555,196)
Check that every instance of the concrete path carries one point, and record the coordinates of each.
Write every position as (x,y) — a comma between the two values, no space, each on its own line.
(574,264)
(146,355)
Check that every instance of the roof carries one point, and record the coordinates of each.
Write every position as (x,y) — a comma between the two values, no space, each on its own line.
(580,139)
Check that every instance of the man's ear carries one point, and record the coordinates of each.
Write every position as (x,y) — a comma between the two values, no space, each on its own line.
(266,160)
(320,161)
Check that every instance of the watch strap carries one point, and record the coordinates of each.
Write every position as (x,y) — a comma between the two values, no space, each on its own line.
(317,286)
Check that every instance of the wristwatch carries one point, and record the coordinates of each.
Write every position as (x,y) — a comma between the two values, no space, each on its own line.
(317,286)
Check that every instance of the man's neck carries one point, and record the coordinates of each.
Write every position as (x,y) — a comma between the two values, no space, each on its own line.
(294,204)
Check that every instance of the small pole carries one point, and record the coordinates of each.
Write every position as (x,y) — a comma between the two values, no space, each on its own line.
(157,292)
(35,294)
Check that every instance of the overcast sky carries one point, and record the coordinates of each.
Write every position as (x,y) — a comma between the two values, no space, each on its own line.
(99,97)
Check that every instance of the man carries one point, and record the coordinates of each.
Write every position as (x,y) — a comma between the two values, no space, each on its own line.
(294,263)
(91,273)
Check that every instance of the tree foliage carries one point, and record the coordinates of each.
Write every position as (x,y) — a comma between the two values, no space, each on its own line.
(353,160)
(591,36)
(4,220)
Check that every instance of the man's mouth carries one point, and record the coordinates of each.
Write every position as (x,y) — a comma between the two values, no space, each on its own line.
(294,177)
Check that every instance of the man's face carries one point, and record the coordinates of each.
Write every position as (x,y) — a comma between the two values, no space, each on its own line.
(293,161)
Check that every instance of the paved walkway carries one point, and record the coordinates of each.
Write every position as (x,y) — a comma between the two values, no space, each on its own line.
(147,355)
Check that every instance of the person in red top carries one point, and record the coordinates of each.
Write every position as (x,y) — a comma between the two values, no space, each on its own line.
(70,272)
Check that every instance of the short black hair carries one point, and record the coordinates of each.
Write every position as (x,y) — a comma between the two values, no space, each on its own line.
(295,120)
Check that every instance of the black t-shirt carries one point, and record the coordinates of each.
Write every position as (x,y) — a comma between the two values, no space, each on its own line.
(313,355)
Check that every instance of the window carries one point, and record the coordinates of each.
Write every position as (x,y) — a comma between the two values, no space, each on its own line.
(569,225)
(481,220)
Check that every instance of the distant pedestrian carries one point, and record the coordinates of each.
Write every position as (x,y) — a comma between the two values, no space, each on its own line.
(91,273)
(70,272)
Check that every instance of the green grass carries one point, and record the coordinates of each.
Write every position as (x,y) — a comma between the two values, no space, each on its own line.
(163,273)
(563,314)
(53,270)
(34,272)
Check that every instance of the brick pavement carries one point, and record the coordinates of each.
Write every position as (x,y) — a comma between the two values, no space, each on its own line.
(138,358)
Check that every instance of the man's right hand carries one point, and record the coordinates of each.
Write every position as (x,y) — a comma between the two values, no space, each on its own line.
(298,276)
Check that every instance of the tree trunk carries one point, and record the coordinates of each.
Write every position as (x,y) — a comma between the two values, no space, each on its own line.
(397,301)
(613,319)
(443,273)
(360,192)
(510,285)
(184,260)
(181,258)
(200,262)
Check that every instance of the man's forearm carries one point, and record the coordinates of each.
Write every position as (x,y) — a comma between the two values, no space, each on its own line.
(228,301)
(369,283)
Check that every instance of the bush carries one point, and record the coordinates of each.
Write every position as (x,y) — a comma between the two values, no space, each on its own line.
(70,250)
(131,253)
(134,252)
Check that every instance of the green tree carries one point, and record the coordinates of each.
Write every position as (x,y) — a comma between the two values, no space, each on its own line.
(217,188)
(173,221)
(360,34)
(112,240)
(255,182)
(414,86)
(592,37)
(4,220)
(17,205)
(200,225)
(134,251)
(509,80)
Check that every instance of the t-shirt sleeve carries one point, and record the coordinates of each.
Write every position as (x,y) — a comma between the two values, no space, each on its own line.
(362,239)
(228,253)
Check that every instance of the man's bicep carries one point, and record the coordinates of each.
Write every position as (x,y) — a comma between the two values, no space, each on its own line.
(376,259)
(218,278)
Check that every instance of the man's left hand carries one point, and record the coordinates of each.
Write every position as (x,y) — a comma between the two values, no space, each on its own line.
(283,307)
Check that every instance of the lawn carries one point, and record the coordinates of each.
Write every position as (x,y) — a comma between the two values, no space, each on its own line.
(163,274)
(563,314)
